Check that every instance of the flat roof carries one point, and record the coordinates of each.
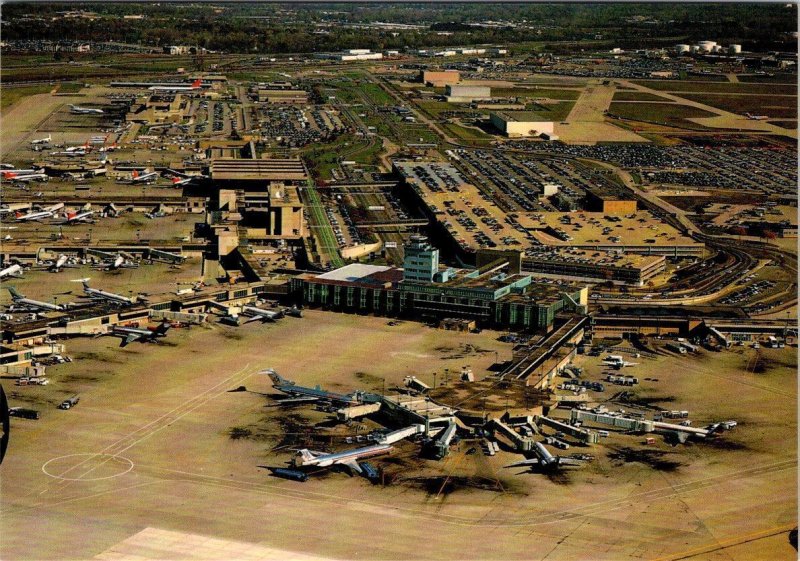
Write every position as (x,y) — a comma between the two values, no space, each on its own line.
(353,272)
(264,169)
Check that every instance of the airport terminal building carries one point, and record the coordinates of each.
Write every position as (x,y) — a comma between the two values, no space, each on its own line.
(493,295)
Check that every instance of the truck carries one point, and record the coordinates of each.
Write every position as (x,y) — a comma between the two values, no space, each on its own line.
(369,472)
(69,403)
(23,413)
(293,474)
(676,347)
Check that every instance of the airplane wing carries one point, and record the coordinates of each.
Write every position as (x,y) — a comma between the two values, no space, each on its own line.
(570,461)
(352,464)
(255,318)
(531,462)
(129,339)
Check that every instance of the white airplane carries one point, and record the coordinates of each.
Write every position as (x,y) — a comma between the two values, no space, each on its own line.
(38,215)
(97,294)
(111,148)
(255,313)
(144,178)
(196,85)
(28,304)
(42,140)
(119,262)
(11,172)
(617,362)
(178,182)
(78,110)
(349,458)
(60,263)
(182,175)
(25,178)
(76,217)
(14,271)
(545,460)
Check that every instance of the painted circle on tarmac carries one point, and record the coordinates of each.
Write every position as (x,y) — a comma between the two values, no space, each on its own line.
(87,467)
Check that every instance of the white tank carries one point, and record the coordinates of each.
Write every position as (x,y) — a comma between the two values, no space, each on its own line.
(717,49)
(680,49)
(707,46)
(735,49)
(695,48)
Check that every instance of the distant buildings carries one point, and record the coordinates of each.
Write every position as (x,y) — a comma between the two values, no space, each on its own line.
(350,55)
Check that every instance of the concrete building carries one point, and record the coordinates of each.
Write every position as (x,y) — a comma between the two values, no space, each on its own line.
(467,94)
(520,124)
(440,79)
(489,295)
(262,195)
(283,96)
(421,261)
(609,203)
(627,269)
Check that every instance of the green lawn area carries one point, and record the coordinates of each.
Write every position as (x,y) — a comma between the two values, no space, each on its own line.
(673,115)
(785,124)
(433,108)
(551,112)
(70,87)
(637,96)
(320,226)
(9,96)
(718,87)
(376,94)
(552,93)
(467,134)
(767,79)
(775,107)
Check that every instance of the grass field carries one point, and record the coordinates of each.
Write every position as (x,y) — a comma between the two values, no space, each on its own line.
(674,115)
(785,124)
(767,79)
(552,112)
(721,87)
(9,96)
(775,107)
(320,227)
(536,92)
(467,134)
(637,96)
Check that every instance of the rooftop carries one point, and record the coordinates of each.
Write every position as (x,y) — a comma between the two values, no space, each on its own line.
(284,169)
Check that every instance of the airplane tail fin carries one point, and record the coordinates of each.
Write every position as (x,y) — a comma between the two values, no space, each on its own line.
(306,455)
(276,378)
(197,83)
(135,174)
(14,294)
(162,328)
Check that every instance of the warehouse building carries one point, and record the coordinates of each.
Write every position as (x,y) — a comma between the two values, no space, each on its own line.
(521,124)
(467,94)
(350,55)
(608,202)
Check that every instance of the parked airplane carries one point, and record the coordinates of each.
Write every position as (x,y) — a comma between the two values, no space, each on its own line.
(348,458)
(617,362)
(25,178)
(60,263)
(173,173)
(119,262)
(545,460)
(42,140)
(78,110)
(97,294)
(14,271)
(303,393)
(131,334)
(28,304)
(196,85)
(39,214)
(11,173)
(144,178)
(178,182)
(77,217)
(255,313)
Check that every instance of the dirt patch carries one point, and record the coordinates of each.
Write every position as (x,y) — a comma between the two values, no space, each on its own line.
(655,459)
